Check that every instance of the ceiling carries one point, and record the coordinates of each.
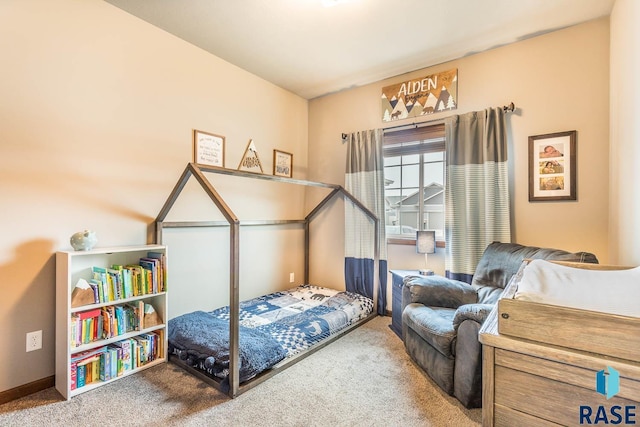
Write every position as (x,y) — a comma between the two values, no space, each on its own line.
(316,47)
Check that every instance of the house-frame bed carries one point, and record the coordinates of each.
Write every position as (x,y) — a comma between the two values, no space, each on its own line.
(233,386)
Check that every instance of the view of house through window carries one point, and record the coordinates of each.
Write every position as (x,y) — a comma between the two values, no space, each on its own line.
(414,182)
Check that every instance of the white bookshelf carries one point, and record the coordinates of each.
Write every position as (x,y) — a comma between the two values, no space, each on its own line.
(74,265)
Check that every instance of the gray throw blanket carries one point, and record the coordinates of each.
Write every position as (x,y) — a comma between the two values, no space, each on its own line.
(202,340)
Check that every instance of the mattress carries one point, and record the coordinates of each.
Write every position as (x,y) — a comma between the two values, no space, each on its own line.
(273,327)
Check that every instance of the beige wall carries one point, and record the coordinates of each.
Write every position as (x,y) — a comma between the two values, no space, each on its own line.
(96,113)
(558,81)
(625,133)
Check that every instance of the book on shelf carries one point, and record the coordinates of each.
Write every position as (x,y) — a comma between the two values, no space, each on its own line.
(96,294)
(125,354)
(152,265)
(162,275)
(95,370)
(143,348)
(126,281)
(117,281)
(99,276)
(137,278)
(73,375)
(80,376)
(137,314)
(82,315)
(105,366)
(106,322)
(85,356)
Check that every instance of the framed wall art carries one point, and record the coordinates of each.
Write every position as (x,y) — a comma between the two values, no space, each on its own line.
(250,161)
(208,148)
(282,163)
(552,166)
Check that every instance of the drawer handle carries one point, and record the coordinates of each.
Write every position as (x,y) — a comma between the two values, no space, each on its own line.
(505,315)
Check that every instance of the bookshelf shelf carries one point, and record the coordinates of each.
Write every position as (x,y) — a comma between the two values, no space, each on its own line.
(71,267)
(120,301)
(103,342)
(95,385)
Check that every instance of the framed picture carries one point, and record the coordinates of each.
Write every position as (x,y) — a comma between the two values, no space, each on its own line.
(552,166)
(282,163)
(208,148)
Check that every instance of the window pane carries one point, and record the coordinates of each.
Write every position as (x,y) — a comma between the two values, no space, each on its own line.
(392,197)
(432,157)
(402,193)
(408,191)
(392,161)
(413,158)
(408,222)
(392,176)
(411,176)
(433,172)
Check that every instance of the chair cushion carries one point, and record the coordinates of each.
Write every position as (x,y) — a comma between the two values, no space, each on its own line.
(433,324)
(488,294)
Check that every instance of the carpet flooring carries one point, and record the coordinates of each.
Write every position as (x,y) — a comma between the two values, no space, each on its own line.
(365,378)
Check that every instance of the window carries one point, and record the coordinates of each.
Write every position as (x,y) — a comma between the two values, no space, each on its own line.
(414,171)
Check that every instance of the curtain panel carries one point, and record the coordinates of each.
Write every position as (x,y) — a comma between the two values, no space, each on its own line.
(477,209)
(364,179)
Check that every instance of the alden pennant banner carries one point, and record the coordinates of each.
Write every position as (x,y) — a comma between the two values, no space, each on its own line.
(418,97)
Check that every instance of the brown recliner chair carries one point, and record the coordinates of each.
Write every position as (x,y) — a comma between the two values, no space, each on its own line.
(441,317)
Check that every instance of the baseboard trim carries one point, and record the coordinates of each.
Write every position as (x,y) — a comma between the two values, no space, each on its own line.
(27,389)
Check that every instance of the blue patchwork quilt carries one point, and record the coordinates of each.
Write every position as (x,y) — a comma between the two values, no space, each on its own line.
(272,328)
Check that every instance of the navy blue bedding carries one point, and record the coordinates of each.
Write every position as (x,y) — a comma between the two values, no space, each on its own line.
(202,340)
(272,327)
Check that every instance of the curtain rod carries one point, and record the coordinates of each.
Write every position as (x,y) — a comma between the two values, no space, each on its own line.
(506,108)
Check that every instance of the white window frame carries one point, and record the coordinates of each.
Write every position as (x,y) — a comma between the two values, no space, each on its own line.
(416,140)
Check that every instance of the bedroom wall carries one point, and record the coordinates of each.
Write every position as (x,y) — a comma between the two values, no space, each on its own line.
(96,114)
(625,133)
(558,81)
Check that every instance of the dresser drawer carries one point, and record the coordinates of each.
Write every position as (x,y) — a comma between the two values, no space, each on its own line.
(548,399)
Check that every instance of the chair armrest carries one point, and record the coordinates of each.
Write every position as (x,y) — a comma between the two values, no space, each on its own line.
(475,312)
(437,291)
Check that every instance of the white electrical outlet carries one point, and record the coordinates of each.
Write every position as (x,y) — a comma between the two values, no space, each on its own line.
(34,340)
(291,278)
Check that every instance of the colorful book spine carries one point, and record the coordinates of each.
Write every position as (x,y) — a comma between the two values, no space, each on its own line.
(98,286)
(125,355)
(114,361)
(81,375)
(95,370)
(73,375)
(100,276)
(162,276)
(151,266)
(105,367)
(126,280)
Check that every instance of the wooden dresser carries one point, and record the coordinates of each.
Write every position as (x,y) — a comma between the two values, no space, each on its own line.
(540,364)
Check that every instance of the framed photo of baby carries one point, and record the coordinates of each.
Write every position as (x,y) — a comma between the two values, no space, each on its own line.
(552,166)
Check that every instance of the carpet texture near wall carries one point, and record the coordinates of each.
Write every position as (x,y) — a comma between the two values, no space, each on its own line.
(364,378)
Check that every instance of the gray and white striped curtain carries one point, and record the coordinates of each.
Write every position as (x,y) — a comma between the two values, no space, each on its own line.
(477,190)
(365,181)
